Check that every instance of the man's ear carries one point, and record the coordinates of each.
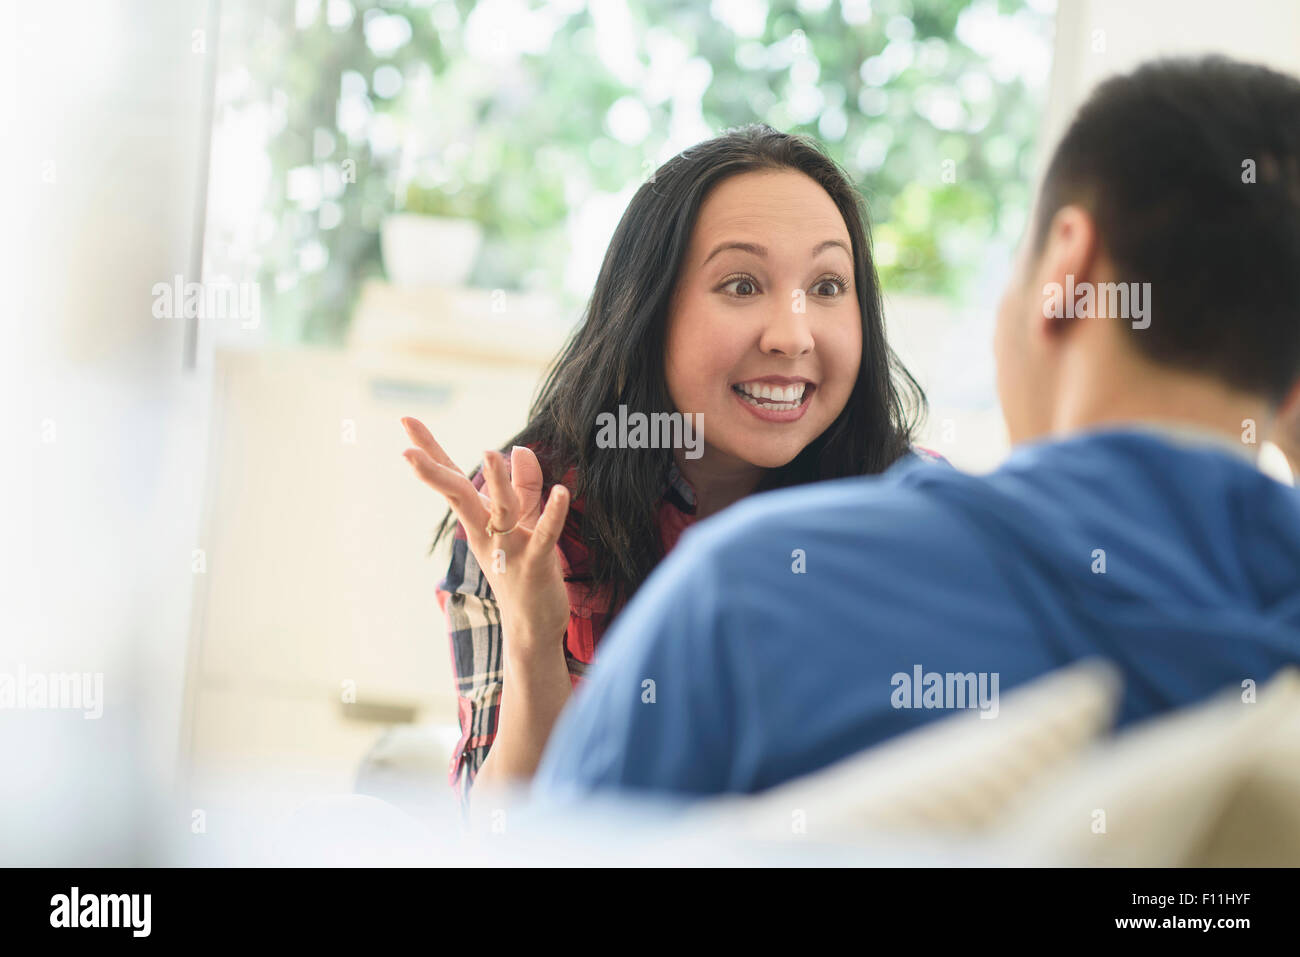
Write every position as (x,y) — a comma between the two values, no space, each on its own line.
(1070,258)
(1287,429)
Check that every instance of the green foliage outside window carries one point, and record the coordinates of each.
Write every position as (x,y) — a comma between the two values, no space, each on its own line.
(387,105)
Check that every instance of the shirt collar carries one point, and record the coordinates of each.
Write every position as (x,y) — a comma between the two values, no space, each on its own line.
(1188,435)
(676,483)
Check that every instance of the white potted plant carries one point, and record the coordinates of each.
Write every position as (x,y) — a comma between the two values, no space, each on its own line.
(434,239)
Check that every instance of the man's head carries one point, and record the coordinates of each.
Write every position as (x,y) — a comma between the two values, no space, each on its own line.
(1164,252)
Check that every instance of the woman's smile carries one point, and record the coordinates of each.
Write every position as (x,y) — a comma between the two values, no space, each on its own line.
(775,398)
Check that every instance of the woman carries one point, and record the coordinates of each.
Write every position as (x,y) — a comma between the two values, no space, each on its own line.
(739,289)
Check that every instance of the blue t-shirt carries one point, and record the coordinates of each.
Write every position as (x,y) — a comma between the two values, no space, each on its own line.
(774,639)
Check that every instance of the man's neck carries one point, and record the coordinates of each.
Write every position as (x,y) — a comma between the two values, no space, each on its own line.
(1147,395)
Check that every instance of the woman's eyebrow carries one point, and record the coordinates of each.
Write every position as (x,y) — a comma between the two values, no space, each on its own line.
(761,251)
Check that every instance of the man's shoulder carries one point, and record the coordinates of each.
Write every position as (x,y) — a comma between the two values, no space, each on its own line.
(910,507)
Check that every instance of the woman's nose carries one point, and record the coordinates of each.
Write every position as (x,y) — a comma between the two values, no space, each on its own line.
(787,332)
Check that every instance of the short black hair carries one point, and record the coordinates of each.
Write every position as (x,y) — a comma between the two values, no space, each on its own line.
(1159,159)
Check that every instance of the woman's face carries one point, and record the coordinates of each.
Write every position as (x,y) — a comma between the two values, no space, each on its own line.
(764,333)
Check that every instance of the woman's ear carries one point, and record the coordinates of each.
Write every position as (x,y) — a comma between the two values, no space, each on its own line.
(1066,268)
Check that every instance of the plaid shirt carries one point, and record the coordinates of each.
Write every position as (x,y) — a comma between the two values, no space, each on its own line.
(474,619)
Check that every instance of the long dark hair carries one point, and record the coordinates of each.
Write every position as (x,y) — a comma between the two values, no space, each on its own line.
(616,357)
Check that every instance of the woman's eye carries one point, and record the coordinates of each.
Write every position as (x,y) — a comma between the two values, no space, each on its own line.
(834,285)
(744,287)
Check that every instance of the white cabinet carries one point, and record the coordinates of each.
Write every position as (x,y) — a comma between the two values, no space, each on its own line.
(315,534)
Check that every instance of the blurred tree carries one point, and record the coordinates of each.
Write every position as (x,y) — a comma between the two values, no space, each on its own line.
(518,113)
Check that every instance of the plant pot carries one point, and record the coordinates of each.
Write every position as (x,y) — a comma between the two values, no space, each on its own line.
(423,250)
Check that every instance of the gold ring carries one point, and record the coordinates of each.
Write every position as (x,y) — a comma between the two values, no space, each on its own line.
(500,531)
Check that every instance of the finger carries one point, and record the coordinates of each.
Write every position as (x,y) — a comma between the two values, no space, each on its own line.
(547,533)
(505,504)
(471,507)
(423,438)
(526,477)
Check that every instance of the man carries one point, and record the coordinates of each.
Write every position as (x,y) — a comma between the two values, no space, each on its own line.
(1130,521)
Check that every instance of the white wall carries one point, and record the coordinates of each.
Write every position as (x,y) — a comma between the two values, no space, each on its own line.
(1096,38)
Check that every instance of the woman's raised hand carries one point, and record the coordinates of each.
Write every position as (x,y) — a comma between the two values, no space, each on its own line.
(518,552)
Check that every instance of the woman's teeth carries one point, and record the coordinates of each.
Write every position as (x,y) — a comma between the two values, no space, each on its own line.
(771,397)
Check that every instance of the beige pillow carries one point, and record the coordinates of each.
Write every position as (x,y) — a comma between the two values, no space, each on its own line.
(1214,784)
(953,777)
